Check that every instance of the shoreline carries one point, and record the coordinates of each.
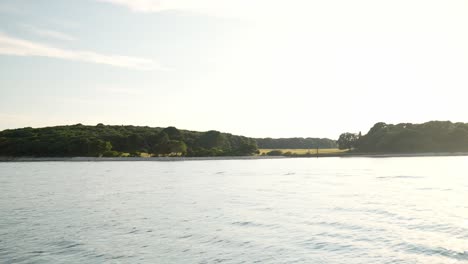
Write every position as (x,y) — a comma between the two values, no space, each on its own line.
(101,159)
(167,159)
(402,155)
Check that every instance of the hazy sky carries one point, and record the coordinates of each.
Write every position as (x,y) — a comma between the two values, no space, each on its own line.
(261,68)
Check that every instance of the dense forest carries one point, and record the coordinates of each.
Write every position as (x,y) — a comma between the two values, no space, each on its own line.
(113,141)
(434,136)
(295,143)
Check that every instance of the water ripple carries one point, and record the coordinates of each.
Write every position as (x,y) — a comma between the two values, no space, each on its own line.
(334,211)
(426,250)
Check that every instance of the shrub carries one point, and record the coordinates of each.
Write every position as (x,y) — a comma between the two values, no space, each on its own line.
(275,153)
(111,153)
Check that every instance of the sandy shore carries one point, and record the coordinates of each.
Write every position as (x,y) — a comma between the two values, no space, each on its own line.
(341,155)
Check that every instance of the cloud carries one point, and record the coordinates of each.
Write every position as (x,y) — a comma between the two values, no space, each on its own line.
(19,47)
(224,8)
(326,16)
(49,33)
(147,5)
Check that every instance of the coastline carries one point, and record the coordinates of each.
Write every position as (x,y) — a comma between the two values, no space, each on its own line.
(168,159)
(402,155)
(101,159)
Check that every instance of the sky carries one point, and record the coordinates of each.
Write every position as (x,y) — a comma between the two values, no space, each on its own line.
(259,68)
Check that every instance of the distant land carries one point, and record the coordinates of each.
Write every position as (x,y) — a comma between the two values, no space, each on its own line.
(429,137)
(135,141)
(142,141)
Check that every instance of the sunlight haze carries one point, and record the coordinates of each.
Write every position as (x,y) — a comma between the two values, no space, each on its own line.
(253,68)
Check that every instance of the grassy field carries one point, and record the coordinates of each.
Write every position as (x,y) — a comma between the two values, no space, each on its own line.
(142,154)
(293,151)
(305,151)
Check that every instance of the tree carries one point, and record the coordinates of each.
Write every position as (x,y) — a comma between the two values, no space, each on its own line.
(247,148)
(160,146)
(98,147)
(177,146)
(213,139)
(347,140)
(164,145)
(173,133)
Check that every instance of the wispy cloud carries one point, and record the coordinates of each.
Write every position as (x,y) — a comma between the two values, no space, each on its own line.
(230,8)
(49,33)
(149,5)
(19,47)
(245,9)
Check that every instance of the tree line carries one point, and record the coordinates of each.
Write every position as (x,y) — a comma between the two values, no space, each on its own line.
(433,136)
(113,141)
(296,143)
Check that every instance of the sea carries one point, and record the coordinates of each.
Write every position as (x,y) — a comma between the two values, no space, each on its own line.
(293,210)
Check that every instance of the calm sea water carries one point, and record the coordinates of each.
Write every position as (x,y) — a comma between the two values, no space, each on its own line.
(326,210)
